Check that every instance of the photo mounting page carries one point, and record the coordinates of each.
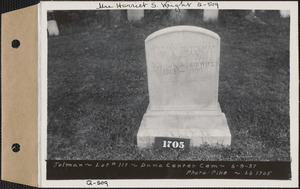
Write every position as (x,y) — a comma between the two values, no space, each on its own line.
(168,94)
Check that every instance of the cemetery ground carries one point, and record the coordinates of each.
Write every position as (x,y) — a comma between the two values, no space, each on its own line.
(98,93)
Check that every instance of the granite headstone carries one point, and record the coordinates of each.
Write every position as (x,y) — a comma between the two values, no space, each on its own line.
(183,77)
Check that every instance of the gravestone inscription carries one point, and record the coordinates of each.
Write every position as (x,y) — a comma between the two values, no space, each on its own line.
(183,77)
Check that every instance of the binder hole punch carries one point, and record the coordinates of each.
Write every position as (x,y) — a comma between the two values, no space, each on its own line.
(15,147)
(15,43)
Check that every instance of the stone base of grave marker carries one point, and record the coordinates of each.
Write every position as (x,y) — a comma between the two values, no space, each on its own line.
(201,127)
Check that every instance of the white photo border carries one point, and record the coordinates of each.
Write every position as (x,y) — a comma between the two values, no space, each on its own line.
(294,93)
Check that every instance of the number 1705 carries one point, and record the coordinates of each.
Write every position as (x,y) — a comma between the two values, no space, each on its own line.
(173,144)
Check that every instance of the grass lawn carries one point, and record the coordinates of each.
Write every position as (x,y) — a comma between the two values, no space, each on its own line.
(98,93)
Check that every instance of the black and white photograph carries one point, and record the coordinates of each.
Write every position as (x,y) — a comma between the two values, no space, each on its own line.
(179,88)
(149,94)
(98,87)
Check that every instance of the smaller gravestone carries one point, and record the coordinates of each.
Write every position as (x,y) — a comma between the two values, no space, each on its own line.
(135,15)
(183,79)
(52,28)
(210,15)
(284,13)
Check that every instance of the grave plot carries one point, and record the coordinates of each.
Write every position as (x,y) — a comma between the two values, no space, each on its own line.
(102,79)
